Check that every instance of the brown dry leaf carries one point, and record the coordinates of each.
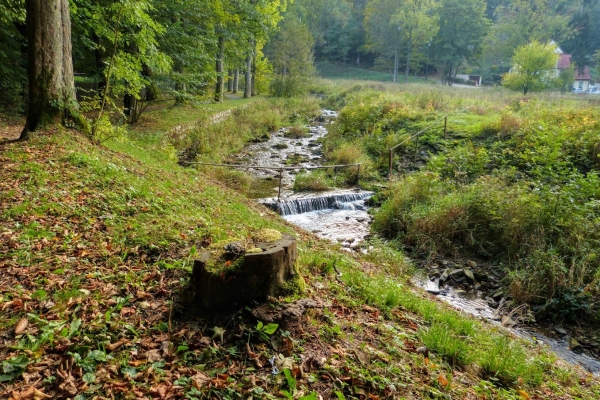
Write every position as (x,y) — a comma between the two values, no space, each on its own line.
(200,379)
(125,311)
(137,363)
(39,395)
(161,391)
(253,356)
(21,326)
(153,355)
(27,394)
(116,345)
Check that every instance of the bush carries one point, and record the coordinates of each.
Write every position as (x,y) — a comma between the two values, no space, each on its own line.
(288,86)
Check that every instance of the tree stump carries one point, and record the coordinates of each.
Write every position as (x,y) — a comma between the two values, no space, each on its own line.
(244,276)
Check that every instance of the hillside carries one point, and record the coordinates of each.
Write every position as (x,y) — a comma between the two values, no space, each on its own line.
(97,242)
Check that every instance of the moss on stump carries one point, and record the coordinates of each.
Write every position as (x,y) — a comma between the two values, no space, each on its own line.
(256,274)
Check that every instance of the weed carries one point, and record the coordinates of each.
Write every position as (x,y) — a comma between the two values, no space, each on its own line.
(505,362)
(441,340)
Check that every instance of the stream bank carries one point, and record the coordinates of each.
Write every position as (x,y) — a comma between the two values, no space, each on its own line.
(342,216)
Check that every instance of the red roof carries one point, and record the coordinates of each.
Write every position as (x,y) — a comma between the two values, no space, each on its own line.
(564,61)
(583,77)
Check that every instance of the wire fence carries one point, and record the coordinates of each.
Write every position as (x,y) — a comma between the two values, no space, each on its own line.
(415,136)
(280,169)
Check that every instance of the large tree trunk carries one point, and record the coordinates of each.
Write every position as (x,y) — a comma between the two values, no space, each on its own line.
(230,80)
(248,87)
(50,63)
(220,77)
(254,89)
(220,70)
(236,79)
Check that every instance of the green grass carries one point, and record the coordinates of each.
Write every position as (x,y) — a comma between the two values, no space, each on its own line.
(332,71)
(109,234)
(514,181)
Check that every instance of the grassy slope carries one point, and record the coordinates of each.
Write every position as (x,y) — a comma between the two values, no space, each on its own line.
(96,247)
(337,72)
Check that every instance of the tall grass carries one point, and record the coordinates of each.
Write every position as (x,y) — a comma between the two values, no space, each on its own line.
(458,341)
(214,140)
(514,181)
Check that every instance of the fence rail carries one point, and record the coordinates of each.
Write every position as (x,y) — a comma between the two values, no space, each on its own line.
(279,168)
(416,135)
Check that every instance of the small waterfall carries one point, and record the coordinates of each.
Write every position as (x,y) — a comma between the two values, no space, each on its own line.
(330,201)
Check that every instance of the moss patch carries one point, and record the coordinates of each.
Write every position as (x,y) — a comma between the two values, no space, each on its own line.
(267,235)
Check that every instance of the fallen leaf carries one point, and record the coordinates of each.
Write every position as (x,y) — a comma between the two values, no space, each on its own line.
(443,380)
(153,355)
(116,345)
(523,394)
(21,326)
(200,379)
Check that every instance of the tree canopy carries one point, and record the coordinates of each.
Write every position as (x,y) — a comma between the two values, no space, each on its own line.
(533,67)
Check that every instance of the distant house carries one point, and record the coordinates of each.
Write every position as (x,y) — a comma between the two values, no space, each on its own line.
(582,81)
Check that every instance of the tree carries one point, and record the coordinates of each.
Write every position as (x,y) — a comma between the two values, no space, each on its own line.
(532,67)
(463,25)
(565,78)
(519,23)
(188,40)
(50,64)
(13,57)
(292,58)
(382,32)
(418,24)
(583,32)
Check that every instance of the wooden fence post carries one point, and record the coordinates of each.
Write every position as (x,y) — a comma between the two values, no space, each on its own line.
(391,160)
(280,177)
(445,126)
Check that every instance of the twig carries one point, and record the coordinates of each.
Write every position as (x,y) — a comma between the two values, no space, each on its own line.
(338,275)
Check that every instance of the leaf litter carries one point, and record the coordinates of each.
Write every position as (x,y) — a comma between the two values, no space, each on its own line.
(91,307)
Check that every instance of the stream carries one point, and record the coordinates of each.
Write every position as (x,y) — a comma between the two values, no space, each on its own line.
(342,216)
(339,215)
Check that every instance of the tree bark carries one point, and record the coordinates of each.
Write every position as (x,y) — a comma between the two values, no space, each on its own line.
(236,80)
(50,64)
(230,80)
(220,77)
(99,58)
(254,89)
(407,64)
(248,87)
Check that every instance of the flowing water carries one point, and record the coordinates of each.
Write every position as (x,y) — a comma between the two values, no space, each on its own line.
(342,216)
(474,304)
(339,215)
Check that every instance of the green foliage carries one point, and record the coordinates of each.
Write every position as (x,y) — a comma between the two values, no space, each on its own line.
(265,331)
(312,181)
(564,81)
(14,367)
(13,77)
(441,340)
(532,67)
(462,27)
(506,362)
(292,58)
